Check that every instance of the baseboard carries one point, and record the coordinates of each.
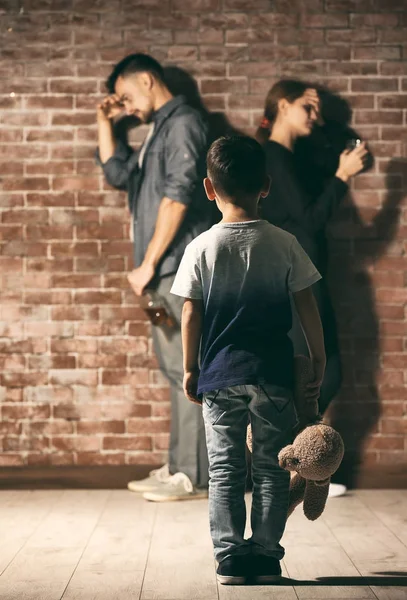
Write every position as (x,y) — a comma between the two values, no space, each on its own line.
(117,477)
(97,477)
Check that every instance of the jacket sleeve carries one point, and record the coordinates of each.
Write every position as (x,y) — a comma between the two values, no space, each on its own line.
(186,147)
(119,166)
(312,214)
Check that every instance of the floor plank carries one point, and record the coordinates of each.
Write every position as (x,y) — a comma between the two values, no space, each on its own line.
(180,564)
(104,585)
(88,544)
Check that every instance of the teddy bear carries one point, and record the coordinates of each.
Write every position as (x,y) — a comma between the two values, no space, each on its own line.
(316,452)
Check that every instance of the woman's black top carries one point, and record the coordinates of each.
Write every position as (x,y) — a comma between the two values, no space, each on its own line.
(292,208)
(302,201)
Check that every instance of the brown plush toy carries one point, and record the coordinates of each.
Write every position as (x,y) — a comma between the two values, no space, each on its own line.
(316,452)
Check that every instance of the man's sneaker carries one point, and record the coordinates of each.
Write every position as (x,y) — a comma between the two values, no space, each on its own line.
(155,480)
(233,570)
(336,490)
(178,487)
(265,569)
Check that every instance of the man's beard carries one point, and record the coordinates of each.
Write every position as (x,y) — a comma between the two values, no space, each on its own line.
(147,117)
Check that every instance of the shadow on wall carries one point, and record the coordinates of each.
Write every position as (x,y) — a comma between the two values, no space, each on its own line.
(181,82)
(355,248)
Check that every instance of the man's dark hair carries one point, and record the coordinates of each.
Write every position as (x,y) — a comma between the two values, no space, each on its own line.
(134,63)
(236,166)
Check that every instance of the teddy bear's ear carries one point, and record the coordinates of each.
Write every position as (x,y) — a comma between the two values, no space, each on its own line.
(315,499)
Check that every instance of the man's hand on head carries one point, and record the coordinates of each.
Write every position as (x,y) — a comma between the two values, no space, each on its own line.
(109,108)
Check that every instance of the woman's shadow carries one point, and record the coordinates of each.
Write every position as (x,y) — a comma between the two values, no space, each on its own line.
(355,247)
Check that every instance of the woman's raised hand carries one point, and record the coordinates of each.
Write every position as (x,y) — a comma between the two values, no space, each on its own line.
(352,162)
(312,98)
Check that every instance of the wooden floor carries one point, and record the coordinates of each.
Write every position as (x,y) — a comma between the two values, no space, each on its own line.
(108,545)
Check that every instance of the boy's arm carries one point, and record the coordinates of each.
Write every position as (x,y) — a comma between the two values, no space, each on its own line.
(191,331)
(308,313)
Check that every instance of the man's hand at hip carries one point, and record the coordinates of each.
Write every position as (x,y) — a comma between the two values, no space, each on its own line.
(140,278)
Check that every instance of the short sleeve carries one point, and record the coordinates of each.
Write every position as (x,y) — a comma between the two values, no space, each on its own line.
(302,272)
(188,281)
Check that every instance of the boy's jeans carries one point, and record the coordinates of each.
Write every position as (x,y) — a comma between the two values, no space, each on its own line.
(226,414)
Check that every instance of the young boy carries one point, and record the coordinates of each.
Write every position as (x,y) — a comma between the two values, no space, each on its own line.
(236,279)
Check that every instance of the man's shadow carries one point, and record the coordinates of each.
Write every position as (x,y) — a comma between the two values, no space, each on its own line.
(355,246)
(180,82)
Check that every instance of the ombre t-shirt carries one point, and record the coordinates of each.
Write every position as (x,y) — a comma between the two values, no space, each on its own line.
(244,273)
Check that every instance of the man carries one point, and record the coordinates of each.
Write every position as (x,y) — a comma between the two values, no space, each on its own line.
(169,209)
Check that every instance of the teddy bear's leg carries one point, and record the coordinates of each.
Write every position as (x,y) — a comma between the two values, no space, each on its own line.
(315,499)
(297,491)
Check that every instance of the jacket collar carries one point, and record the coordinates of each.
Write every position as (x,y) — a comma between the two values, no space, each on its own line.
(165,111)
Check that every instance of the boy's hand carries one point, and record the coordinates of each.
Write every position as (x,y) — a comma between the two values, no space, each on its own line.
(313,388)
(190,385)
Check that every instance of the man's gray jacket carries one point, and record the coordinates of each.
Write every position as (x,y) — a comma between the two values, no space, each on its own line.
(174,167)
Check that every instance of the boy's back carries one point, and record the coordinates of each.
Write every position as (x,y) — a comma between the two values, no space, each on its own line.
(244,272)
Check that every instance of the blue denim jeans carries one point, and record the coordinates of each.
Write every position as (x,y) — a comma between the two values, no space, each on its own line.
(226,413)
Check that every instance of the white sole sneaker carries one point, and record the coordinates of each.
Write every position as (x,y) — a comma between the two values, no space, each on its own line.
(336,490)
(144,486)
(167,497)
(230,579)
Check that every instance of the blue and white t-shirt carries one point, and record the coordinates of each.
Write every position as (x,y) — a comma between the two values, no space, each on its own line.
(243,273)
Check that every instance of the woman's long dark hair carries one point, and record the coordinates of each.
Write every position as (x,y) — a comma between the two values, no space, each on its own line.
(291,90)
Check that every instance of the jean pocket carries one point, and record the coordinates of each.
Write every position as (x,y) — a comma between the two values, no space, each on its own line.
(214,405)
(280,397)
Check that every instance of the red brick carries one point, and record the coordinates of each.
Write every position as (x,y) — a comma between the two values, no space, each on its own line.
(137,377)
(75,249)
(351,36)
(150,426)
(26,411)
(76,281)
(11,460)
(374,20)
(74,345)
(161,441)
(377,53)
(386,442)
(127,442)
(27,183)
(220,86)
(73,183)
(96,361)
(267,52)
(51,102)
(95,427)
(18,379)
(226,53)
(399,101)
(393,426)
(374,85)
(324,20)
(51,168)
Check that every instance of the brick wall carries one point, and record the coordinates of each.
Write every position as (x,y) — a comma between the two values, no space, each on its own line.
(79,381)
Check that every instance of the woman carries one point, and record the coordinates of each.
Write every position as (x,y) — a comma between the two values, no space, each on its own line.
(292,109)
